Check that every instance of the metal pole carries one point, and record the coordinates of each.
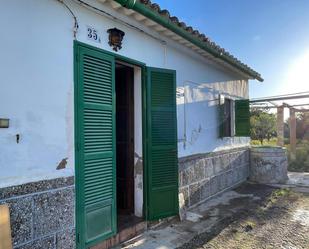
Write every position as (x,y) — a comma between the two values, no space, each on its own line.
(280,126)
(293,131)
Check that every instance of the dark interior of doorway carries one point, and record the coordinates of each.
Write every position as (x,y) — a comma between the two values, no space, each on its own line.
(125,146)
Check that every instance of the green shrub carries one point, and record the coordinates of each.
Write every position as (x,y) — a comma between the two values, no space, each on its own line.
(266,142)
(300,161)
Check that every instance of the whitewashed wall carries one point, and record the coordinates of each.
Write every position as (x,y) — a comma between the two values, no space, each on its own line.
(36,86)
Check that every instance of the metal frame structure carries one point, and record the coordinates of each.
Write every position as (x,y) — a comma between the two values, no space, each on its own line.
(280,102)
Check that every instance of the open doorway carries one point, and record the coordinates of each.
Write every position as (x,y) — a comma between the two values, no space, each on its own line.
(124,79)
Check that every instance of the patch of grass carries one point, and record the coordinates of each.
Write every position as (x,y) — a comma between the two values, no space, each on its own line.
(276,196)
(279,193)
(250,223)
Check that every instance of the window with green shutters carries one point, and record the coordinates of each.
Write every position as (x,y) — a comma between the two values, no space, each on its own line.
(242,118)
(162,162)
(95,146)
(234,113)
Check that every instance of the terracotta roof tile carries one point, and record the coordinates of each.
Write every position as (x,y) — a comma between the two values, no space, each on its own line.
(165,13)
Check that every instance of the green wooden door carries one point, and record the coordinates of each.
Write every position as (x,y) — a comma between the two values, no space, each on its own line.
(95,146)
(161,158)
(242,118)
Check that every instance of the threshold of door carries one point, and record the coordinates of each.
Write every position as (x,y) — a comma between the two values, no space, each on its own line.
(126,233)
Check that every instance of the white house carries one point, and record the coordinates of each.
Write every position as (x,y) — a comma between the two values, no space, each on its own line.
(118,114)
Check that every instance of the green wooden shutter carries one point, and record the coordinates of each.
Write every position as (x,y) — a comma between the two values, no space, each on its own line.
(162,161)
(242,118)
(95,148)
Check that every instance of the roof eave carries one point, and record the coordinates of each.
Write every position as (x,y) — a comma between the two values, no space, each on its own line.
(194,37)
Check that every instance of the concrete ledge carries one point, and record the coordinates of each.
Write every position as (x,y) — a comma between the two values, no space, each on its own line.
(211,154)
(33,187)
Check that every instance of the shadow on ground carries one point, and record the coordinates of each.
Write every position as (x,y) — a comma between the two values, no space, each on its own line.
(271,218)
(251,216)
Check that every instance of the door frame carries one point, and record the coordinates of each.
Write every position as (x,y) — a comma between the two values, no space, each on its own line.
(133,62)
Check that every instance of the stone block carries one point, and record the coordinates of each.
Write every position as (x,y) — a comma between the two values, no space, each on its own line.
(21,219)
(243,157)
(53,211)
(243,172)
(214,185)
(194,193)
(240,173)
(247,156)
(185,192)
(239,159)
(65,239)
(234,160)
(217,164)
(226,161)
(229,178)
(187,176)
(189,163)
(235,176)
(205,189)
(222,182)
(209,167)
(221,163)
(199,170)
(246,170)
(180,178)
(46,243)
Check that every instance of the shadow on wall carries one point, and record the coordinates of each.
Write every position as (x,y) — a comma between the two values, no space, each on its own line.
(198,114)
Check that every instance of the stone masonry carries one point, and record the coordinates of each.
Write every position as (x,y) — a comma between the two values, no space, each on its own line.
(42,214)
(205,175)
(268,165)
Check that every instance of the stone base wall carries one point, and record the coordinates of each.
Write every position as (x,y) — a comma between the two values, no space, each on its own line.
(42,214)
(206,175)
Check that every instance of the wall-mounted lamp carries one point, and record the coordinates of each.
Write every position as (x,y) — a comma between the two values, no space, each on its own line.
(4,123)
(115,38)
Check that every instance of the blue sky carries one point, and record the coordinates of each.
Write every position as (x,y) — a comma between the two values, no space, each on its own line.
(271,36)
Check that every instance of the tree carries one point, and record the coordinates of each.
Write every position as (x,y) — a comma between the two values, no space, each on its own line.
(302,126)
(263,125)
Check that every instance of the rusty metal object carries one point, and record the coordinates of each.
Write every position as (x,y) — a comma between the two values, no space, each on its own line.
(5,228)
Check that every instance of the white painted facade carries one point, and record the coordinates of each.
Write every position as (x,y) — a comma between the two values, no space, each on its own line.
(36,87)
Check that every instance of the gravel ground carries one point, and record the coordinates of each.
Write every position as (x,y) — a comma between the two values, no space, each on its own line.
(278,220)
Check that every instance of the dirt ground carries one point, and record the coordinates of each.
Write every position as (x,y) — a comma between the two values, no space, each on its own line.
(276,219)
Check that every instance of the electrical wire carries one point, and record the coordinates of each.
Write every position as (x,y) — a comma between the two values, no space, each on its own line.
(299,94)
(104,13)
(76,26)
